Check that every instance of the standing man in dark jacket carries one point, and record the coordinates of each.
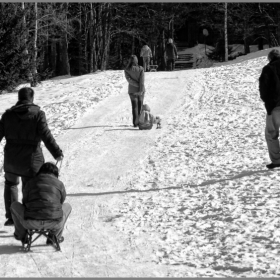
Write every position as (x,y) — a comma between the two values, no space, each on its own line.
(269,86)
(43,205)
(171,54)
(24,126)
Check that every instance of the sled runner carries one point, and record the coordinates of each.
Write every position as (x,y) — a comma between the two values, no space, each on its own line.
(51,238)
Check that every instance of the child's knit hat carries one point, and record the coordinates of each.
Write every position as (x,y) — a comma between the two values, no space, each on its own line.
(145,107)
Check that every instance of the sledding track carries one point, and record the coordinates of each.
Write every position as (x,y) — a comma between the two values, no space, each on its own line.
(102,151)
(191,200)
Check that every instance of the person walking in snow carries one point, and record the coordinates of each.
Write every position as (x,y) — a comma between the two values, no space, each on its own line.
(146,53)
(269,87)
(24,126)
(171,54)
(42,205)
(135,76)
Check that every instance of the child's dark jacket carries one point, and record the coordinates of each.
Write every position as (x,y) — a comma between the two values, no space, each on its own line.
(43,197)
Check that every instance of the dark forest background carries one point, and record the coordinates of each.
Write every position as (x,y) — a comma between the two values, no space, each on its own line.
(43,40)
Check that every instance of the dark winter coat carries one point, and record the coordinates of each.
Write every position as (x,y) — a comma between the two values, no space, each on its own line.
(135,77)
(24,126)
(269,85)
(171,51)
(43,197)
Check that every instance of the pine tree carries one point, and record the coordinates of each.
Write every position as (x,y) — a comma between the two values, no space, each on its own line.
(14,62)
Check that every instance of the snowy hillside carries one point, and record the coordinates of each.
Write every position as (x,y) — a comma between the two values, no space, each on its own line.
(192,199)
(65,99)
(204,192)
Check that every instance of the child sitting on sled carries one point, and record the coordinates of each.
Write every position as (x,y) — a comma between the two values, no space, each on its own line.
(146,119)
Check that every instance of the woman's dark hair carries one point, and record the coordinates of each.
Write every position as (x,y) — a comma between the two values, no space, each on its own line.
(25,93)
(273,54)
(49,168)
(132,61)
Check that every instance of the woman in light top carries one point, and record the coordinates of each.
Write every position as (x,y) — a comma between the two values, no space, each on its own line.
(135,75)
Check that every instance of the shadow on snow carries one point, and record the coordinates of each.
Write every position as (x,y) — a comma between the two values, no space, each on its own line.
(206,183)
(96,126)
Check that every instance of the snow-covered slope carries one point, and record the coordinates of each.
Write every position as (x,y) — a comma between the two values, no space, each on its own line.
(65,99)
(204,192)
(192,199)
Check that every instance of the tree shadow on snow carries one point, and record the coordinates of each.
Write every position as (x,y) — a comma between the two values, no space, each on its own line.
(209,182)
(122,129)
(241,175)
(10,249)
(6,236)
(35,248)
(120,192)
(96,126)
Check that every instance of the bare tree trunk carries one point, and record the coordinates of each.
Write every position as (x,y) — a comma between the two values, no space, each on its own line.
(86,57)
(108,39)
(64,67)
(119,47)
(172,28)
(46,52)
(85,50)
(80,42)
(104,22)
(34,81)
(133,45)
(25,51)
(53,61)
(226,36)
(99,34)
(94,41)
(278,27)
(63,45)
(245,36)
(24,27)
(105,36)
(154,54)
(163,63)
(267,31)
(107,50)
(91,40)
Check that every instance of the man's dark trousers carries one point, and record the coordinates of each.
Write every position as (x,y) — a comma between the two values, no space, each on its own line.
(11,190)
